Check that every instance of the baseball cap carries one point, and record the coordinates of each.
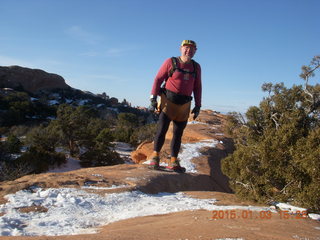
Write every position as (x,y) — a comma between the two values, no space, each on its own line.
(189,42)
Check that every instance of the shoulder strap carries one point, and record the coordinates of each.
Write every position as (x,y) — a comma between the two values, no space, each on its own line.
(194,68)
(174,66)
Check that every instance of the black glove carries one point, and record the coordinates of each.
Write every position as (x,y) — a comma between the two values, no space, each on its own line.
(153,104)
(195,111)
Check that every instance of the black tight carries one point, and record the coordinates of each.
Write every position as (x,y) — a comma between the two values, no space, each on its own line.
(163,126)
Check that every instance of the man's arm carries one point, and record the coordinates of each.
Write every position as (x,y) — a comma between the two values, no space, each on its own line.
(197,89)
(161,76)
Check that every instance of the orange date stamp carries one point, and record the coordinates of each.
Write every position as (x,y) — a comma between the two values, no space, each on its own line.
(249,214)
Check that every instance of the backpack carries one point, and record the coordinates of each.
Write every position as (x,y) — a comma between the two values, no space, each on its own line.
(175,67)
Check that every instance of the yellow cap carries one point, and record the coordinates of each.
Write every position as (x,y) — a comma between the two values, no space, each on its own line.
(189,42)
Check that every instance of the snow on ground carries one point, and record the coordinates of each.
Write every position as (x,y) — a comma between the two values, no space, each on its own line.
(105,188)
(296,210)
(53,102)
(74,211)
(124,150)
(83,102)
(196,122)
(190,151)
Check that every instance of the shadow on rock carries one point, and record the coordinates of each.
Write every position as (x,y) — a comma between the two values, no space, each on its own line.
(175,182)
(212,179)
(215,156)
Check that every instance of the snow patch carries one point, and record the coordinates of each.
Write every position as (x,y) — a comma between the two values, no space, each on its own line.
(190,151)
(73,211)
(196,122)
(105,188)
(290,208)
(53,102)
(124,150)
(314,216)
(83,102)
(67,208)
(294,210)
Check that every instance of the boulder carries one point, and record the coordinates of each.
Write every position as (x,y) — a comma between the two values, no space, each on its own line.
(142,152)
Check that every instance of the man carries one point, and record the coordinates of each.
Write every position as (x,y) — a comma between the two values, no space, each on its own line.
(181,77)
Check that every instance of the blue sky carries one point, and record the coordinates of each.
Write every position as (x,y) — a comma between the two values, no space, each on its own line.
(117,46)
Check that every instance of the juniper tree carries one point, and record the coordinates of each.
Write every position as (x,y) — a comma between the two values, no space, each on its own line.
(73,124)
(277,156)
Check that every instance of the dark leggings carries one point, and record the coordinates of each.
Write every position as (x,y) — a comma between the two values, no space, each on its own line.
(163,126)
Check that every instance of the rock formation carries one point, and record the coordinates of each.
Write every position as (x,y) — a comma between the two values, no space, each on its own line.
(31,80)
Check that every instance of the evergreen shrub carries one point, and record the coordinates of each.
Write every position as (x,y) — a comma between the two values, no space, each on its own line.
(277,156)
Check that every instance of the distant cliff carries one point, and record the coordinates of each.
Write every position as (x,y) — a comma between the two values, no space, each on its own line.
(31,80)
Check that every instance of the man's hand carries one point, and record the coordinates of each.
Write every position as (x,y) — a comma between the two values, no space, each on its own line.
(195,111)
(153,104)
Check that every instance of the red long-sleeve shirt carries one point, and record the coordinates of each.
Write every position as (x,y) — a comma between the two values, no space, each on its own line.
(180,83)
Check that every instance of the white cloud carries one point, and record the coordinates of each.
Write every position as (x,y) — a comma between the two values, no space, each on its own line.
(116,52)
(83,35)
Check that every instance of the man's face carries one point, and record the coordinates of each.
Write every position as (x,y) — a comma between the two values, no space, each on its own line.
(188,51)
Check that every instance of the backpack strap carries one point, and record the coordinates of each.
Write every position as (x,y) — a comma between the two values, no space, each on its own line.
(194,63)
(172,70)
(174,61)
(175,67)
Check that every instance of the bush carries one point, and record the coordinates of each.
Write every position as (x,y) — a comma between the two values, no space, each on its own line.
(44,138)
(143,133)
(13,144)
(277,156)
(100,152)
(39,160)
(100,157)
(73,123)
(13,170)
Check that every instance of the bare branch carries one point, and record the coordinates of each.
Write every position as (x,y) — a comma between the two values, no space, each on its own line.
(275,119)
(245,185)
(283,190)
(307,72)
(241,118)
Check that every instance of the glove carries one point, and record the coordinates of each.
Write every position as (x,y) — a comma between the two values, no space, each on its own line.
(195,111)
(153,104)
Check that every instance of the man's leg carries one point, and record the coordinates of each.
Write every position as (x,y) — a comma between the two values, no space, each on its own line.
(159,139)
(178,128)
(174,164)
(162,129)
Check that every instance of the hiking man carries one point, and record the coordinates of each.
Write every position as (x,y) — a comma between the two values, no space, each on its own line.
(181,77)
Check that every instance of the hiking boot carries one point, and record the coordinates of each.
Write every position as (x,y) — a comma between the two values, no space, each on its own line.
(154,162)
(175,166)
